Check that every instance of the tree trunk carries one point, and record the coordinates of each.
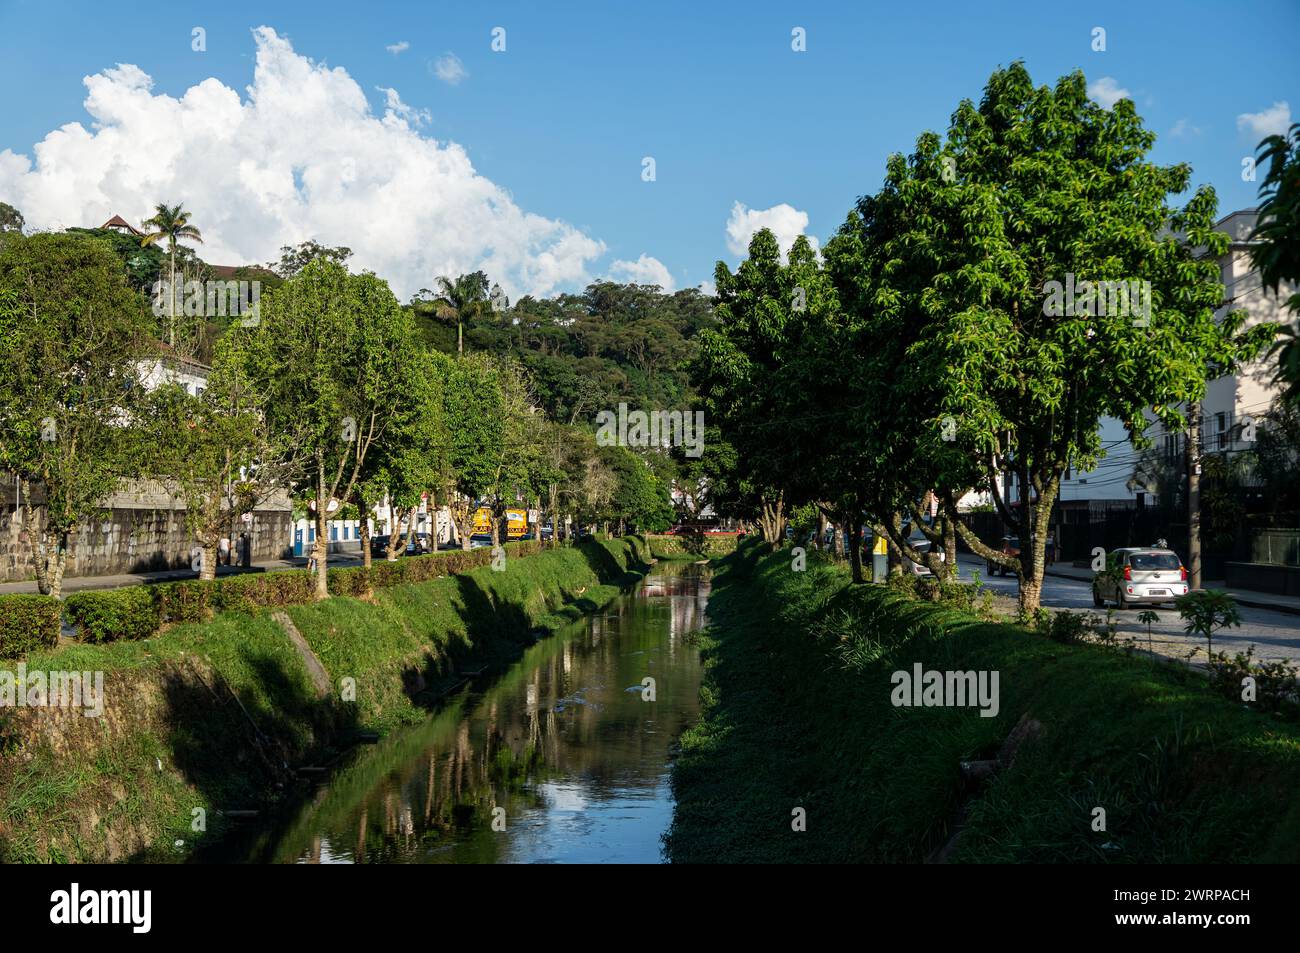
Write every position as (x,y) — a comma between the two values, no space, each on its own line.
(772,520)
(949,549)
(320,551)
(365,531)
(855,555)
(1194,497)
(410,528)
(60,563)
(555,517)
(821,530)
(171,311)
(208,567)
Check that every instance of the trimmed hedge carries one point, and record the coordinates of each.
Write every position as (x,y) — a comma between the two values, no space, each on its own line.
(137,612)
(108,614)
(28,622)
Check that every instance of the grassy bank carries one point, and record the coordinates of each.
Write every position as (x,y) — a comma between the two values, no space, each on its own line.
(213,717)
(799,715)
(665,546)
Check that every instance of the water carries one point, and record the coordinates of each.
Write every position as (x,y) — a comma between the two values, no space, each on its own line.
(562,750)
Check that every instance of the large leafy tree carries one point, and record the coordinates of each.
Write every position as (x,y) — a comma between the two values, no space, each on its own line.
(330,360)
(1034,185)
(294,258)
(473,407)
(74,335)
(213,449)
(750,374)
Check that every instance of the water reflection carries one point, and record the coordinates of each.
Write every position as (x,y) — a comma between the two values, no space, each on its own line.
(562,751)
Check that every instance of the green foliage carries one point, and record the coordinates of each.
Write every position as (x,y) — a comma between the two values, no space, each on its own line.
(105,615)
(75,333)
(28,622)
(294,258)
(1206,611)
(1275,682)
(1184,776)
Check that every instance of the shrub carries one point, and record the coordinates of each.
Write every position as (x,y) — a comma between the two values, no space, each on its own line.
(1275,682)
(28,622)
(186,601)
(137,612)
(248,592)
(105,615)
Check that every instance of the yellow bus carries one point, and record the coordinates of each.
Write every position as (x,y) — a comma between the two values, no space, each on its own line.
(516,523)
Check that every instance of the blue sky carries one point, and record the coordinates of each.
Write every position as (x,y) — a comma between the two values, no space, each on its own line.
(561,120)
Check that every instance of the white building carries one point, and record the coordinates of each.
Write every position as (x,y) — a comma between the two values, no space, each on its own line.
(1231,403)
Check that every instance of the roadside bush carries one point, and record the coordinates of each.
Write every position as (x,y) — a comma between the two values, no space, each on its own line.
(248,592)
(28,622)
(355,581)
(105,615)
(186,601)
(1275,682)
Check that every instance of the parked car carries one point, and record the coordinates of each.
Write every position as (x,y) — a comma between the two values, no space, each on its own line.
(922,547)
(379,545)
(1010,546)
(1140,576)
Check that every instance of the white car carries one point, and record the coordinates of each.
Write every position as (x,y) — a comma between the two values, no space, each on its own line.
(922,547)
(1140,576)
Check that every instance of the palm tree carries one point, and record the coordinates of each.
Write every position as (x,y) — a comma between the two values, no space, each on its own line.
(1277,254)
(463,298)
(172,223)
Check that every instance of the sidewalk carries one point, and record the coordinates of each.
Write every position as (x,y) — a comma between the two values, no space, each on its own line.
(81,583)
(1245,597)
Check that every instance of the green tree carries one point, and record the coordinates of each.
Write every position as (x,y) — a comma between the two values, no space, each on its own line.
(294,258)
(75,337)
(213,450)
(330,361)
(1037,185)
(461,300)
(473,407)
(1205,612)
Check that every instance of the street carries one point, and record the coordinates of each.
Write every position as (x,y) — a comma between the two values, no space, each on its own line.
(1276,635)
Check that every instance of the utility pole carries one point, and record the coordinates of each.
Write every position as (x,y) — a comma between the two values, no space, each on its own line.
(1194,496)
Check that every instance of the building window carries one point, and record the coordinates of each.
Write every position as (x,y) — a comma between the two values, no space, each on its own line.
(1221,427)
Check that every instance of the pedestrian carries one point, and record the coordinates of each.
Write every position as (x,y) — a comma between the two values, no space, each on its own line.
(223,557)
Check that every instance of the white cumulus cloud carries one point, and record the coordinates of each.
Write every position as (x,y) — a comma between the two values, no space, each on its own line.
(1273,121)
(785,222)
(301,156)
(399,47)
(1106,92)
(646,270)
(450,69)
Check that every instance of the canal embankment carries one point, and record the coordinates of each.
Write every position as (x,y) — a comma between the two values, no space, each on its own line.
(209,721)
(815,745)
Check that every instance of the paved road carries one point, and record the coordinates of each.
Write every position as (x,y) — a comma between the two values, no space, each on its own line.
(1276,635)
